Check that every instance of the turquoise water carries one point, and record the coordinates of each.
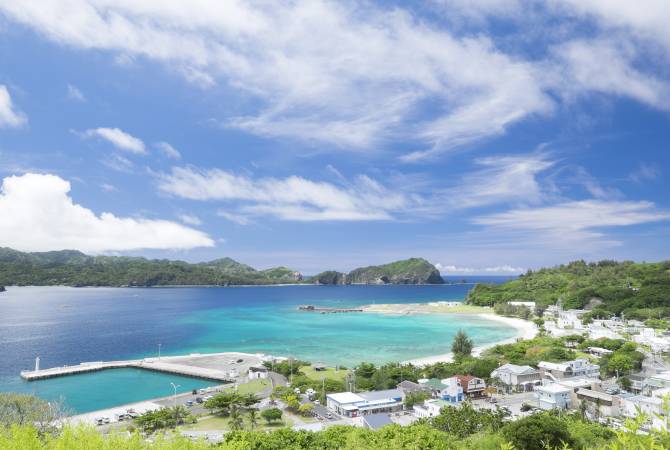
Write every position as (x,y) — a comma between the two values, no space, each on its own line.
(68,326)
(108,388)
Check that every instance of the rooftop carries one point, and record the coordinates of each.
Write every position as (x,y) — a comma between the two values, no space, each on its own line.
(376,421)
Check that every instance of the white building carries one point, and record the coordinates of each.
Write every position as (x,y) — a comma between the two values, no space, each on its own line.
(351,404)
(578,368)
(430,408)
(257,372)
(517,378)
(452,391)
(552,396)
(529,305)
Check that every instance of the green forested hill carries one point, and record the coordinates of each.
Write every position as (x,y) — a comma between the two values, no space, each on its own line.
(407,271)
(639,290)
(73,268)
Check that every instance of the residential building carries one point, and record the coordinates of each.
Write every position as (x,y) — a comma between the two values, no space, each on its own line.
(257,372)
(472,386)
(659,381)
(453,391)
(552,396)
(410,387)
(578,368)
(351,404)
(515,378)
(430,408)
(599,404)
(599,351)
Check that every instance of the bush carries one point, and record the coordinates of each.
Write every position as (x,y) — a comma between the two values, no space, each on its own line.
(542,430)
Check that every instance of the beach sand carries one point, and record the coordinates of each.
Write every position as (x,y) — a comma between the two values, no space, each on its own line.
(525,328)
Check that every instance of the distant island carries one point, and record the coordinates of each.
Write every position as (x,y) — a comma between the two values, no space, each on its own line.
(408,271)
(74,268)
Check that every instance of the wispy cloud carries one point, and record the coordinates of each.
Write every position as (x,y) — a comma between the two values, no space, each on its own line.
(168,150)
(190,219)
(645,172)
(73,93)
(10,117)
(504,269)
(575,220)
(118,138)
(291,198)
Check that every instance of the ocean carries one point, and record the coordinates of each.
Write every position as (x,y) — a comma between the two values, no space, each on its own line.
(70,325)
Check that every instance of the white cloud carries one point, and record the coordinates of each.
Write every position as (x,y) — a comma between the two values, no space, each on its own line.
(118,163)
(235,218)
(350,74)
(190,219)
(645,172)
(583,62)
(574,220)
(119,139)
(168,150)
(502,269)
(291,198)
(39,215)
(108,187)
(9,117)
(73,93)
(502,179)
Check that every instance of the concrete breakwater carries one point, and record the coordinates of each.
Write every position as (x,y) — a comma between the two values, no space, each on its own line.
(325,310)
(221,367)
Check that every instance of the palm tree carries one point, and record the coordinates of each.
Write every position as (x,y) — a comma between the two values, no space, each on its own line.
(253,417)
(180,413)
(236,422)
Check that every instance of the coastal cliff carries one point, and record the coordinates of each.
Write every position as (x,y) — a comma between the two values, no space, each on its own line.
(408,271)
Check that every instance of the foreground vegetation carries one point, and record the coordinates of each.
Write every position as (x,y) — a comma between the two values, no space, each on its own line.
(638,290)
(455,428)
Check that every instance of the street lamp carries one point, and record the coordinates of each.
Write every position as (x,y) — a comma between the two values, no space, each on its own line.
(175,386)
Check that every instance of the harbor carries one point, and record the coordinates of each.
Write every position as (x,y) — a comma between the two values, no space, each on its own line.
(221,367)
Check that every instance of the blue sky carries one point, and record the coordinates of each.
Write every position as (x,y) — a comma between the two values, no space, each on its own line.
(488,136)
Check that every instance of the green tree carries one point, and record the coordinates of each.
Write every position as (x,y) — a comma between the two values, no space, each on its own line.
(253,418)
(462,345)
(19,409)
(306,409)
(271,414)
(466,420)
(236,421)
(538,431)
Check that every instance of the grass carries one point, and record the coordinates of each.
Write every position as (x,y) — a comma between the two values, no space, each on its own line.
(328,373)
(218,423)
(252,387)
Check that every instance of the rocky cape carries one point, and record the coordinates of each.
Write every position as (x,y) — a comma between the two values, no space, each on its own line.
(408,271)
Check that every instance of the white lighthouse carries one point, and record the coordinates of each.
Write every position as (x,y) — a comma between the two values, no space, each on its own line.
(37,364)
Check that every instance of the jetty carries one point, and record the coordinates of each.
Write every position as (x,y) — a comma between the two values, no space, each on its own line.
(221,367)
(325,310)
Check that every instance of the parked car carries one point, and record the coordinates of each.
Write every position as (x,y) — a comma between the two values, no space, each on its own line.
(189,403)
(199,400)
(105,419)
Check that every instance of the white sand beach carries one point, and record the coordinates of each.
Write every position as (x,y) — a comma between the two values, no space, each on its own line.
(525,328)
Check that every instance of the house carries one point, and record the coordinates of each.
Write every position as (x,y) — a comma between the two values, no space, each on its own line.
(652,406)
(529,305)
(571,319)
(430,408)
(453,391)
(410,387)
(517,378)
(351,404)
(376,421)
(599,351)
(448,389)
(659,381)
(552,396)
(319,367)
(578,368)
(257,372)
(472,386)
(599,404)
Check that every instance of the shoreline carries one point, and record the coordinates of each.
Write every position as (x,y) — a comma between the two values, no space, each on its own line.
(525,329)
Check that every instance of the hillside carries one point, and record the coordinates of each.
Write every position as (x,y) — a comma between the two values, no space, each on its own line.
(639,290)
(73,268)
(408,271)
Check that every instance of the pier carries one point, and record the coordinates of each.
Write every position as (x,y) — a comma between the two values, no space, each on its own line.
(325,310)
(222,367)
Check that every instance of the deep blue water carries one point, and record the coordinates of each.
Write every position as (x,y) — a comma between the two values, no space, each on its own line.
(71,325)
